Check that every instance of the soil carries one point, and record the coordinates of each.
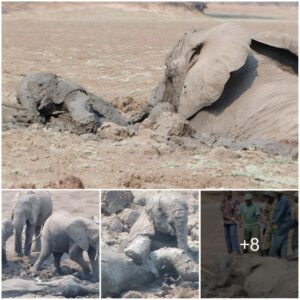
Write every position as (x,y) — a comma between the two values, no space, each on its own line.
(117,51)
(79,203)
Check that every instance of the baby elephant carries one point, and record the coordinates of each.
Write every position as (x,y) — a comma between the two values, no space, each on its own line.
(64,233)
(31,209)
(7,232)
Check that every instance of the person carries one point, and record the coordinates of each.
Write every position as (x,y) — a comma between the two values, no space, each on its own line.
(295,224)
(266,239)
(249,219)
(281,224)
(229,209)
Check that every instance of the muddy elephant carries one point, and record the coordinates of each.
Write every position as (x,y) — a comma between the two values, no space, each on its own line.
(46,95)
(65,233)
(163,223)
(7,232)
(31,209)
(119,274)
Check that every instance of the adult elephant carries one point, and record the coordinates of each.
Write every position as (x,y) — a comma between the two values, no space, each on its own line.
(31,209)
(119,274)
(65,233)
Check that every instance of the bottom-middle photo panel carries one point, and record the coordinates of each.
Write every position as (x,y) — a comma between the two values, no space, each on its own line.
(150,244)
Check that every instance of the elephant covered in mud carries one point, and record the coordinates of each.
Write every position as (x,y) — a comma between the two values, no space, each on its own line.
(46,95)
(251,276)
(229,82)
(64,233)
(7,232)
(163,223)
(31,209)
(119,274)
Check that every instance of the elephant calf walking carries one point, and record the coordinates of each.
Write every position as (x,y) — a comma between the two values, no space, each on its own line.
(64,233)
(31,209)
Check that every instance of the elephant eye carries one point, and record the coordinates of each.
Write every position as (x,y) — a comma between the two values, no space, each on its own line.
(196,51)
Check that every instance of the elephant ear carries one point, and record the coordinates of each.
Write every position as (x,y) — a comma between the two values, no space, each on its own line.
(77,232)
(219,51)
(277,39)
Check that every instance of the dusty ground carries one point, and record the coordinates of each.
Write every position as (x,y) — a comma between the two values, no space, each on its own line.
(117,51)
(115,229)
(213,246)
(79,203)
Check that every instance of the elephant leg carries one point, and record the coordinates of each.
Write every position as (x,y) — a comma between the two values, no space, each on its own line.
(44,254)
(94,262)
(57,258)
(4,259)
(28,240)
(18,242)
(75,253)
(37,243)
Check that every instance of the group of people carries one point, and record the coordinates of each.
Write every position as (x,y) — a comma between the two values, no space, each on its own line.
(267,225)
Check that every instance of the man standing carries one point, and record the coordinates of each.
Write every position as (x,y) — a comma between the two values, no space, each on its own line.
(269,198)
(229,209)
(249,214)
(281,222)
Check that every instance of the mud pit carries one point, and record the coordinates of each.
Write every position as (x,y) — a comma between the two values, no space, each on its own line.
(168,143)
(17,280)
(147,252)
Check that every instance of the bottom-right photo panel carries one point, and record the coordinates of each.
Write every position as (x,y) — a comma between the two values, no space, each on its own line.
(249,244)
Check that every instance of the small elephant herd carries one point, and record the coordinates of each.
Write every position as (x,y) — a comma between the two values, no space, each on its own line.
(55,233)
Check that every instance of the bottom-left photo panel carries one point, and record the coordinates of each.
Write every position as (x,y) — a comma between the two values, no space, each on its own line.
(50,244)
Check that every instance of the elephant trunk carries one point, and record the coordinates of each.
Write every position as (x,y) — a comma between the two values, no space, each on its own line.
(18,222)
(18,241)
(180,225)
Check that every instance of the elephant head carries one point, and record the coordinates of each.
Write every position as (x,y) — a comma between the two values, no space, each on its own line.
(169,214)
(85,234)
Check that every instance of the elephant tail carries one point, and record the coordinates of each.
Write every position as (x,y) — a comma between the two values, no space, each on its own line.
(37,237)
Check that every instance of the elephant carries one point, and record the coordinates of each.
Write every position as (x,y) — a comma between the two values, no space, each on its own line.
(119,274)
(7,232)
(65,233)
(31,209)
(232,83)
(47,95)
(163,223)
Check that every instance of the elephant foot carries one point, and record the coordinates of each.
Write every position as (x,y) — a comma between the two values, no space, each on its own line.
(19,254)
(33,271)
